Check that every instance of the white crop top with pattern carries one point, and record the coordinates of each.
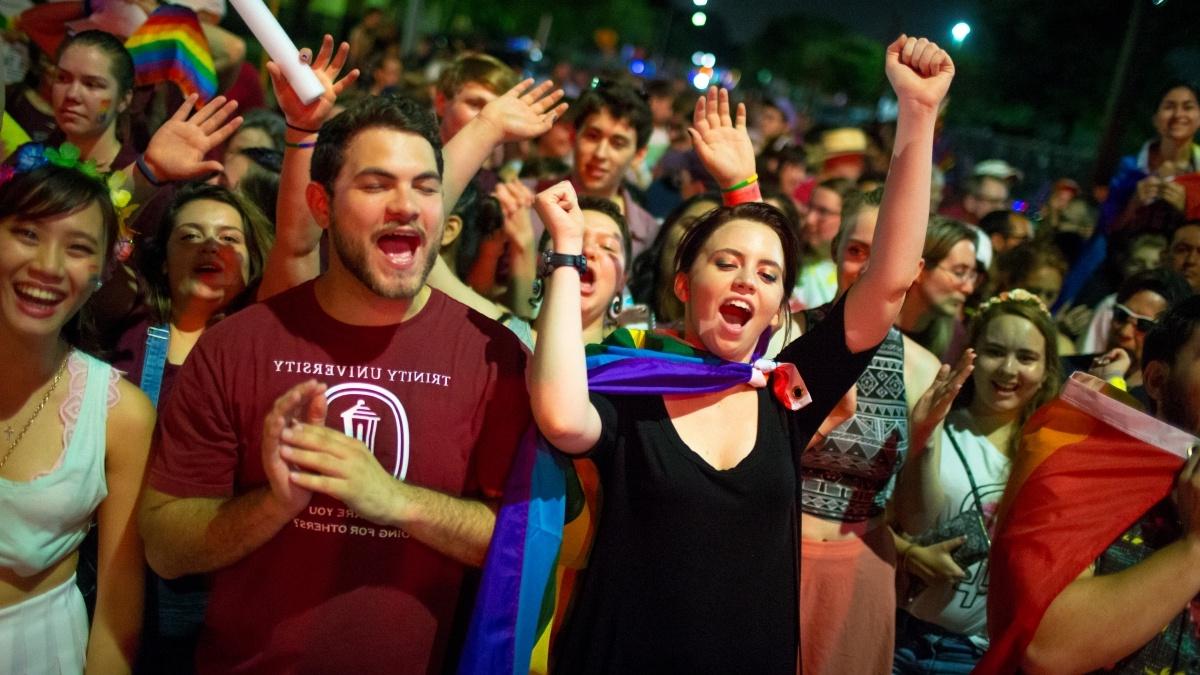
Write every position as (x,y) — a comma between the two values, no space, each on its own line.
(46,518)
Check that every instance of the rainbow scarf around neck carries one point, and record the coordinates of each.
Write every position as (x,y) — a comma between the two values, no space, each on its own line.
(516,603)
(170,47)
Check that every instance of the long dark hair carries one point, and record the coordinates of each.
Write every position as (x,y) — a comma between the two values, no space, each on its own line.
(151,256)
(53,191)
(644,272)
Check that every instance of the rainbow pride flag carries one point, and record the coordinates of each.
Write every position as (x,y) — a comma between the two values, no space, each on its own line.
(1090,464)
(546,521)
(171,47)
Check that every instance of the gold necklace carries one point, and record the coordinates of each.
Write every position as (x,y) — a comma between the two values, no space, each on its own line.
(8,430)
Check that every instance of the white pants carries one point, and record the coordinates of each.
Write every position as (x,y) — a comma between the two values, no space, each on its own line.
(46,634)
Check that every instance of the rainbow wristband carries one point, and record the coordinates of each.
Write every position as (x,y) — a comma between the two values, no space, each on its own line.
(748,193)
(303,146)
(749,181)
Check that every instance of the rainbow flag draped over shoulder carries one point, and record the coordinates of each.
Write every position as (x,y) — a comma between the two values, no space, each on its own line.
(171,47)
(1088,467)
(521,595)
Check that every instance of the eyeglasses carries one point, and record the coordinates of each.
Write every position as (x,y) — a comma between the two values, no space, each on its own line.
(1123,315)
(964,273)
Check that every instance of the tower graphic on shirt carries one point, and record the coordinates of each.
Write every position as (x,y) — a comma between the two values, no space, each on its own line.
(374,416)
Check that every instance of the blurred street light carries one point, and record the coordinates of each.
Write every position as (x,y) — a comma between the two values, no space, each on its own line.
(699,3)
(960,31)
(699,19)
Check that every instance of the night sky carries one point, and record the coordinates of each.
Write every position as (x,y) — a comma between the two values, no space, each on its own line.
(880,20)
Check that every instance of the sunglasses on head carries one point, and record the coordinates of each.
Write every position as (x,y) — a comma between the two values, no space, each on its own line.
(1123,315)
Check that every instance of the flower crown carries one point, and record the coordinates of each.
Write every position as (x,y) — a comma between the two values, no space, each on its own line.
(1015,295)
(32,156)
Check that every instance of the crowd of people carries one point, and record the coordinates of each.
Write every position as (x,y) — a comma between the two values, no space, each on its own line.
(294,353)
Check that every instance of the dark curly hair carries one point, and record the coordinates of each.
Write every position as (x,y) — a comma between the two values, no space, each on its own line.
(388,112)
(622,102)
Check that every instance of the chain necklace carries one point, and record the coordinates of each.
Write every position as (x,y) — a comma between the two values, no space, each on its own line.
(8,430)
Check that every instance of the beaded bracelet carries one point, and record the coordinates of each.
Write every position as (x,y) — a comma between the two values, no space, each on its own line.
(304,145)
(149,175)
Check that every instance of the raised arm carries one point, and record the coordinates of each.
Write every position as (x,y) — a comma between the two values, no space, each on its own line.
(295,257)
(920,73)
(1099,620)
(523,112)
(177,151)
(919,495)
(117,623)
(558,382)
(724,146)
(516,202)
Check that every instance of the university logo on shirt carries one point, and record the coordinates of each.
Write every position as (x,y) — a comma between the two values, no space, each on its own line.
(374,416)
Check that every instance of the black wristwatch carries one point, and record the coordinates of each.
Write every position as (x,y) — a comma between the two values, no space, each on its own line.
(551,260)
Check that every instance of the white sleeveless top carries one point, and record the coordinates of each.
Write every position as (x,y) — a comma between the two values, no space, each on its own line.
(46,518)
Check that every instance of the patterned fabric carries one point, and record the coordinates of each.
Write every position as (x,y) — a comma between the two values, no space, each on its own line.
(850,476)
(1176,649)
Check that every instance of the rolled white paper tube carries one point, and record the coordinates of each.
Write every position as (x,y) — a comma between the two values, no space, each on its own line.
(280,47)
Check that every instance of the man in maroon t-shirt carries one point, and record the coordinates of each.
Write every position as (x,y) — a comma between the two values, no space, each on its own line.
(327,453)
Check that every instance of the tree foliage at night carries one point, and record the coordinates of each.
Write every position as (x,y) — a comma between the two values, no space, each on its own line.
(819,54)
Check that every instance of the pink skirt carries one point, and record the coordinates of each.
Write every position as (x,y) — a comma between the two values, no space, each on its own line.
(848,605)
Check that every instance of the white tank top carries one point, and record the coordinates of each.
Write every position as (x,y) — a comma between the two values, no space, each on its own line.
(46,518)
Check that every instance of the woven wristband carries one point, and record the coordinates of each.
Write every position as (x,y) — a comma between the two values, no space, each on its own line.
(145,169)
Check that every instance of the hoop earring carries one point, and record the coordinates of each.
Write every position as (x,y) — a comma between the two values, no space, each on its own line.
(614,308)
